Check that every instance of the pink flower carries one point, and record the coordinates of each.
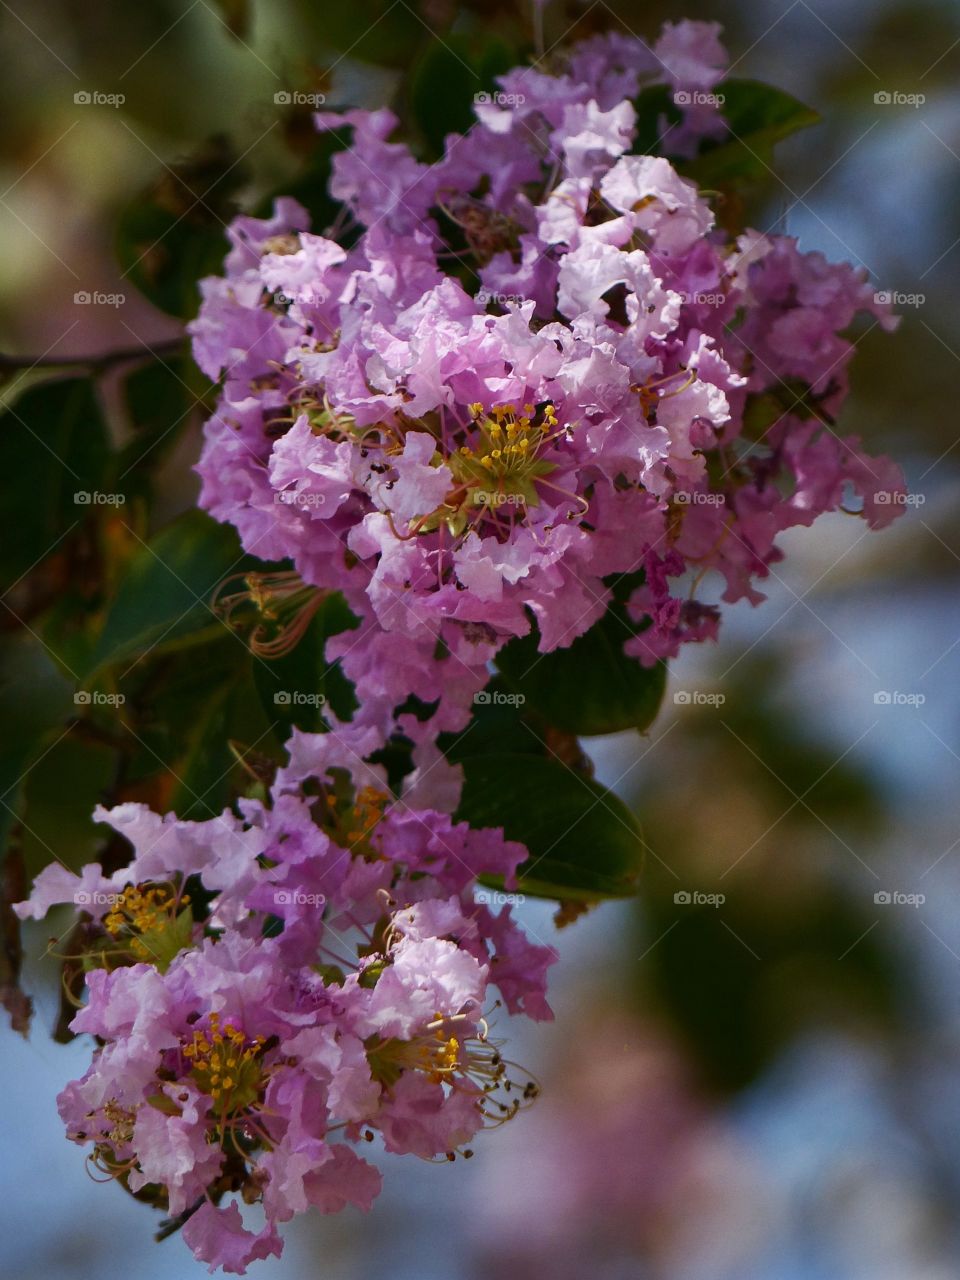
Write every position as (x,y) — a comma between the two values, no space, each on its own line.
(218,1237)
(461,467)
(325,980)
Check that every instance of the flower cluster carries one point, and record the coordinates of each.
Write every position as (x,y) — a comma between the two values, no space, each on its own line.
(272,991)
(498,389)
(503,381)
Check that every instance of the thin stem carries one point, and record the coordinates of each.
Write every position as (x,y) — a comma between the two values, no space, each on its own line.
(538,40)
(16,364)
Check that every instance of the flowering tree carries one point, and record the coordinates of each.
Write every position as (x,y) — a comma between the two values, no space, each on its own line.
(502,416)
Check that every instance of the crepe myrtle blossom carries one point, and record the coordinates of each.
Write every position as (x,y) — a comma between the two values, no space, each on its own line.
(539,367)
(270,992)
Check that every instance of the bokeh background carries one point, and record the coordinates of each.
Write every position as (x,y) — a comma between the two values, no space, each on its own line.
(762,1084)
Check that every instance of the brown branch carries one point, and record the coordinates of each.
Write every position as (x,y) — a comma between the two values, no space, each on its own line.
(15,364)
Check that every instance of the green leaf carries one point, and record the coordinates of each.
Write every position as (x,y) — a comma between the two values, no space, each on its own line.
(592,687)
(199,729)
(53,446)
(738,980)
(296,688)
(163,600)
(165,258)
(310,186)
(236,15)
(759,116)
(497,718)
(158,397)
(60,791)
(383,32)
(172,234)
(584,842)
(442,86)
(35,699)
(446,79)
(652,105)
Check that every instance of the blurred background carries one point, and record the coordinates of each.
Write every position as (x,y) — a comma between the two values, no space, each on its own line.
(755,1068)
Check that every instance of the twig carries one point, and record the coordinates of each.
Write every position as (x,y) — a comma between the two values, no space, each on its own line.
(14,364)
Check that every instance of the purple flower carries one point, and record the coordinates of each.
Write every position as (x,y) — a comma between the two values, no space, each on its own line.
(333,984)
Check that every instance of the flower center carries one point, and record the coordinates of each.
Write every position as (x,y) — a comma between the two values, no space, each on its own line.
(446,1058)
(436,1055)
(111,1130)
(151,922)
(350,818)
(364,815)
(503,464)
(227,1066)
